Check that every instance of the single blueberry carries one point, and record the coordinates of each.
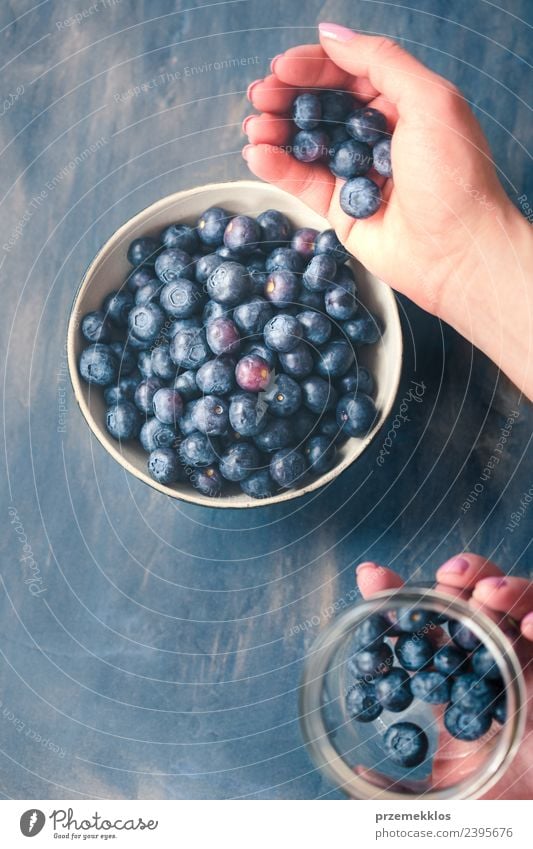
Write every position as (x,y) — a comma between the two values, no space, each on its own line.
(143,251)
(208,481)
(393,691)
(98,365)
(211,225)
(162,365)
(303,241)
(350,159)
(251,316)
(363,330)
(282,288)
(356,414)
(450,660)
(182,298)
(463,636)
(229,284)
(242,235)
(318,394)
(474,693)
(406,744)
(252,373)
(154,434)
(328,243)
(284,259)
(164,466)
(359,380)
(189,349)
(361,702)
(247,414)
(464,724)
(239,461)
(336,105)
(216,377)
(367,125)
(117,306)
(484,665)
(307,111)
(186,385)
(210,415)
(150,292)
(139,277)
(223,336)
(320,454)
(145,322)
(186,423)
(413,652)
(303,424)
(95,327)
(283,396)
(275,435)
(205,266)
(123,420)
(374,660)
(276,229)
(180,236)
(259,484)
(320,273)
(174,264)
(287,467)
(311,145)
(334,359)
(381,156)
(316,326)
(283,333)
(168,405)
(413,619)
(297,363)
(341,302)
(360,197)
(197,450)
(144,394)
(432,687)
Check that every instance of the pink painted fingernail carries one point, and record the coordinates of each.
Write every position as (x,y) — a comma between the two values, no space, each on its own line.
(245,151)
(273,63)
(494,582)
(336,32)
(251,87)
(527,621)
(246,122)
(367,564)
(454,566)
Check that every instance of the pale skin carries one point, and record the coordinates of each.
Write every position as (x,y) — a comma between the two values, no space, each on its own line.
(486,588)
(446,236)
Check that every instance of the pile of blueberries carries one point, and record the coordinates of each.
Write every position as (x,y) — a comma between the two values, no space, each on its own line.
(460,673)
(230,353)
(351,140)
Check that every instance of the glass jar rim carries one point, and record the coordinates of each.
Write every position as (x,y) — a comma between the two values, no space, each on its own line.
(315,733)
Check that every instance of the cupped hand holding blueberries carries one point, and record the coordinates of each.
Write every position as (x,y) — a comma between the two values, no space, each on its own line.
(443,231)
(463,675)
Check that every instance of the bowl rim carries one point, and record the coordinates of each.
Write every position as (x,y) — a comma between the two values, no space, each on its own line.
(192,497)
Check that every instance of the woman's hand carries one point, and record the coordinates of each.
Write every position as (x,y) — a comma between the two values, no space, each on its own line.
(486,588)
(446,235)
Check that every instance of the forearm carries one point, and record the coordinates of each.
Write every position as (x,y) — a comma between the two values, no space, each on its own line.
(490,302)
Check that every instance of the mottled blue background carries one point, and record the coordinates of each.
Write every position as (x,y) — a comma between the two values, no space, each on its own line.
(158,659)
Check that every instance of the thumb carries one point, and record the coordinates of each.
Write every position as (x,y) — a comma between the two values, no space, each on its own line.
(392,70)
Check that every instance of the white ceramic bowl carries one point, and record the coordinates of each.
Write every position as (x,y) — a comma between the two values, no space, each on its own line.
(110,267)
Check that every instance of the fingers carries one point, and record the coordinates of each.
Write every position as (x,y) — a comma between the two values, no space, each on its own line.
(267,129)
(309,65)
(390,69)
(526,626)
(372,578)
(513,596)
(271,95)
(465,570)
(314,184)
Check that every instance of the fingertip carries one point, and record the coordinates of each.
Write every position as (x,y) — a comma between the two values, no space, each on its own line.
(526,626)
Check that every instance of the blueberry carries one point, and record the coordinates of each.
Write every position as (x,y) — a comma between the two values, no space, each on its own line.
(318,394)
(143,251)
(162,365)
(216,377)
(205,266)
(356,415)
(361,702)
(189,349)
(341,301)
(173,327)
(370,631)
(252,373)
(311,145)
(211,225)
(406,744)
(284,259)
(381,155)
(95,327)
(258,281)
(261,350)
(363,330)
(247,414)
(283,396)
(186,423)
(320,273)
(499,710)
(464,724)
(174,264)
(316,326)
(117,306)
(287,467)
(213,310)
(251,316)
(432,687)
(144,363)
(256,261)
(350,159)
(484,665)
(413,619)
(242,235)
(337,133)
(303,241)
(359,380)
(307,111)
(303,425)
(335,106)
(123,420)
(180,236)
(282,288)
(275,435)
(327,243)
(98,365)
(168,405)
(164,466)
(413,652)
(258,484)
(374,660)
(150,292)
(320,454)
(186,385)
(283,333)
(276,229)
(208,481)
(474,693)
(229,284)
(367,125)
(239,461)
(463,636)
(210,415)
(197,450)
(139,277)
(223,336)
(334,359)
(328,427)
(144,394)
(360,197)
(310,300)
(182,298)
(226,255)
(154,434)
(297,363)
(126,358)
(450,660)
(344,275)
(393,691)
(124,390)
(145,322)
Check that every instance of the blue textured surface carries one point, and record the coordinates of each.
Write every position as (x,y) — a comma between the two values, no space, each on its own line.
(162,657)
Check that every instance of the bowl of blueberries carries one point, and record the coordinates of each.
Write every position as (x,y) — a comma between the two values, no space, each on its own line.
(412,693)
(227,350)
